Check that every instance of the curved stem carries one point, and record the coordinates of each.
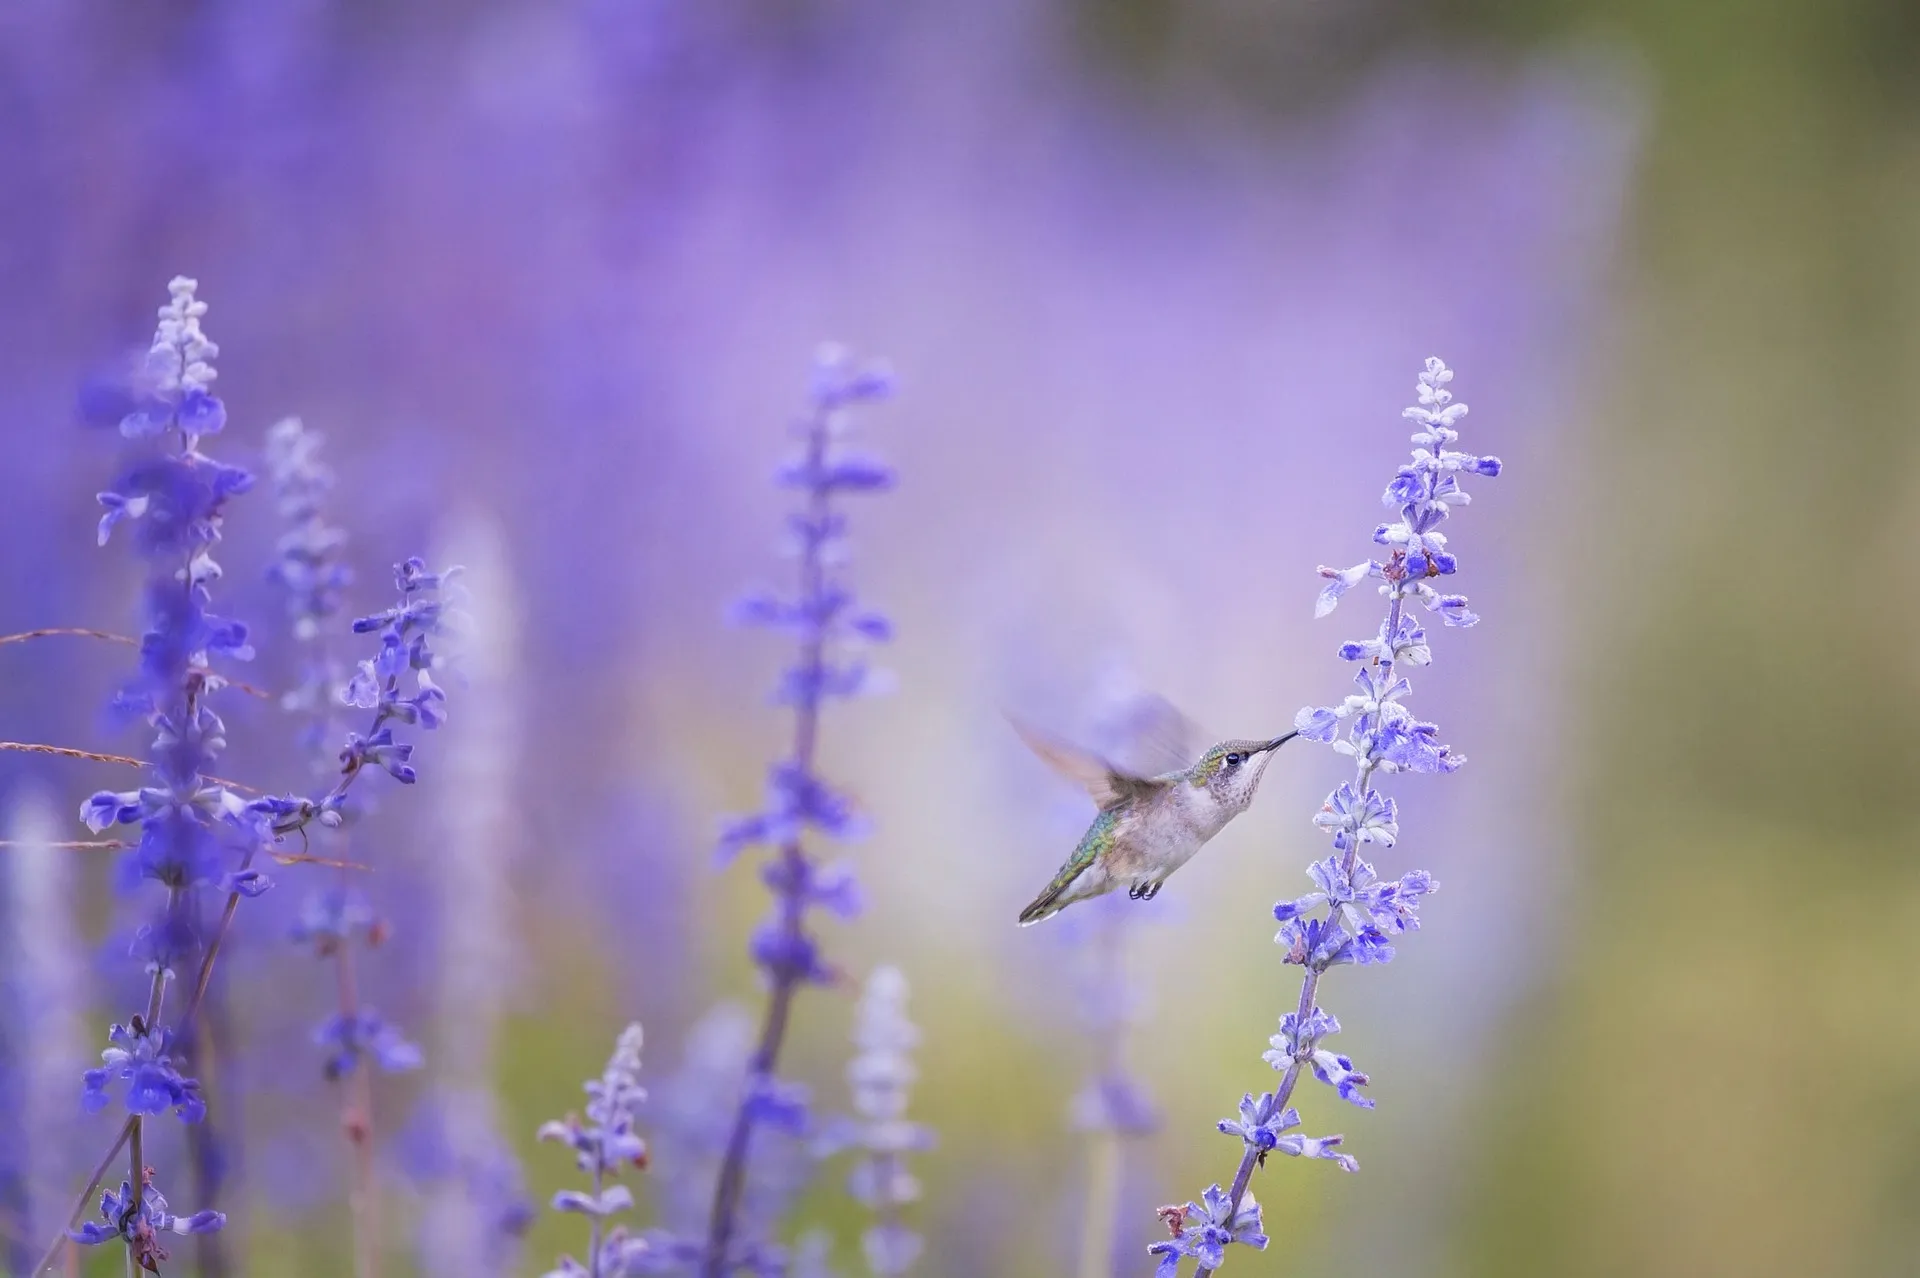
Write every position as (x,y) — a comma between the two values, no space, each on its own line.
(733,1166)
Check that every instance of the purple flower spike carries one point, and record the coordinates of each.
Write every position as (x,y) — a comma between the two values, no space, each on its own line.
(605,1144)
(195,836)
(832,632)
(1354,915)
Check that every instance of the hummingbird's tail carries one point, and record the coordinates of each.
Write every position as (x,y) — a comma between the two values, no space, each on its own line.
(1044,906)
(1055,897)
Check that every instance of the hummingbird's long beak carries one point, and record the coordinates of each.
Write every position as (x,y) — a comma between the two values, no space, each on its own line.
(1277,742)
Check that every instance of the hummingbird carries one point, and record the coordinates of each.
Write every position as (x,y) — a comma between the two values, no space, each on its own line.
(1147,827)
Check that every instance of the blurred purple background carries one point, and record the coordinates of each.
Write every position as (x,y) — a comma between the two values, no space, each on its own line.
(548,276)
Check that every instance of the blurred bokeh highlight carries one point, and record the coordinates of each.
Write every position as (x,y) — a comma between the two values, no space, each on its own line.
(1156,278)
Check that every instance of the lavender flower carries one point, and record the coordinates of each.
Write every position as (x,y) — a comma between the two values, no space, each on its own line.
(604,1145)
(307,566)
(830,628)
(178,375)
(478,1209)
(308,570)
(347,1038)
(191,827)
(140,1225)
(140,1056)
(881,1075)
(407,632)
(1375,730)
(1202,1230)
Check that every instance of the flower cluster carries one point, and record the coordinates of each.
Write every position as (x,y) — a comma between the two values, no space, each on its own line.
(406,633)
(175,391)
(349,1037)
(604,1145)
(1363,912)
(880,1075)
(335,917)
(1202,1230)
(140,1224)
(140,1057)
(330,921)
(831,629)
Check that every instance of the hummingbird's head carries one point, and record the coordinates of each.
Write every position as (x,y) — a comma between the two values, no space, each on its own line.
(1230,772)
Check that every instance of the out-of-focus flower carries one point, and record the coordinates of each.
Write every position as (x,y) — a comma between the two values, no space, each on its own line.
(831,631)
(476,958)
(691,1115)
(349,1038)
(307,559)
(880,1077)
(43,995)
(308,568)
(478,1210)
(605,1144)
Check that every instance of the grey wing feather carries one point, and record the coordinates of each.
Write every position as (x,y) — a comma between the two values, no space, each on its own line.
(1107,784)
(1151,734)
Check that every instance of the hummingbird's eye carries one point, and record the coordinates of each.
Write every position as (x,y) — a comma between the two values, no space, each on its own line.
(1234,758)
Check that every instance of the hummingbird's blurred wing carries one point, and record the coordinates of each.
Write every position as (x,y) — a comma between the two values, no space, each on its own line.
(1107,784)
(1151,735)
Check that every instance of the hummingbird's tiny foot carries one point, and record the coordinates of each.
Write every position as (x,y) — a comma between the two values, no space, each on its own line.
(1150,891)
(1134,892)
